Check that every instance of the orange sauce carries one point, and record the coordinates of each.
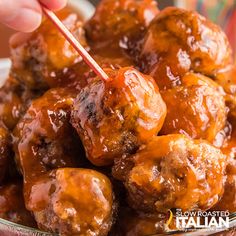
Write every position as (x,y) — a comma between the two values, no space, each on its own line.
(6,33)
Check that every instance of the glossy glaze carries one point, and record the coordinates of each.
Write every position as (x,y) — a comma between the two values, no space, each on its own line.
(131,223)
(126,26)
(178,41)
(14,100)
(117,116)
(228,200)
(44,138)
(12,205)
(72,202)
(196,108)
(37,62)
(227,79)
(173,172)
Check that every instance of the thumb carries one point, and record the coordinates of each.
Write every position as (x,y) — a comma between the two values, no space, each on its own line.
(21,15)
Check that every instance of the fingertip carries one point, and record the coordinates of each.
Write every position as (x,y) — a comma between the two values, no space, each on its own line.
(26,20)
(54,4)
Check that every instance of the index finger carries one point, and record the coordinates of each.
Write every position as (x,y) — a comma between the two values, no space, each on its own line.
(54,4)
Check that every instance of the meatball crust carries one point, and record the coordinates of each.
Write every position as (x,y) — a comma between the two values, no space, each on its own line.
(40,59)
(44,138)
(173,172)
(179,40)
(117,115)
(15,98)
(72,202)
(227,79)
(196,108)
(132,223)
(228,200)
(12,206)
(119,23)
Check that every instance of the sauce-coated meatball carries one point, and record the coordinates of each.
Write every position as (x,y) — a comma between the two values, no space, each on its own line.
(196,108)
(227,79)
(44,138)
(45,54)
(228,200)
(119,23)
(179,40)
(72,202)
(116,116)
(132,223)
(12,206)
(14,101)
(173,172)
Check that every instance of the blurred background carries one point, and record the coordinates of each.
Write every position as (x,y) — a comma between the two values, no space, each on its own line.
(222,12)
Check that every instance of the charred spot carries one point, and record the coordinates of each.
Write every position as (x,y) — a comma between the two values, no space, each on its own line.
(42,146)
(83,95)
(129,142)
(197,62)
(105,109)
(91,112)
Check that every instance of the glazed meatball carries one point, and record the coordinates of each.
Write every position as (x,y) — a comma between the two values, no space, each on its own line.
(227,79)
(12,206)
(5,151)
(14,101)
(228,200)
(131,223)
(40,59)
(82,74)
(115,116)
(44,138)
(179,40)
(196,108)
(173,172)
(72,202)
(119,23)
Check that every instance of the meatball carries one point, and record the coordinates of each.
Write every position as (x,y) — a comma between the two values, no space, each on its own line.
(179,40)
(196,108)
(41,58)
(119,23)
(115,116)
(72,202)
(82,74)
(131,223)
(14,101)
(173,172)
(227,79)
(12,205)
(44,138)
(5,151)
(228,200)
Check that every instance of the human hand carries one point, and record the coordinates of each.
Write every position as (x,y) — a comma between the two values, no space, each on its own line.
(25,15)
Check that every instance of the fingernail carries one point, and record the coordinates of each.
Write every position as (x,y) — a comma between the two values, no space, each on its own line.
(26,20)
